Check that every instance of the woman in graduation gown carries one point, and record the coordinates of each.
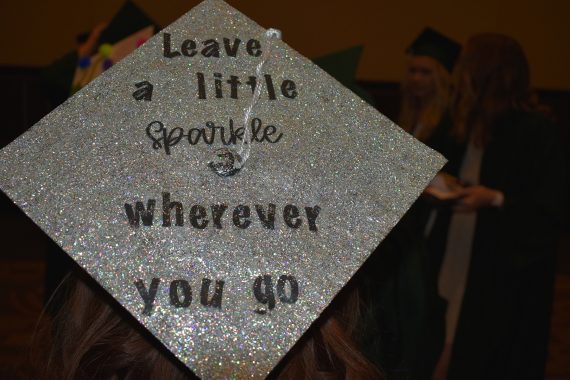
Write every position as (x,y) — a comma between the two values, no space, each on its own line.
(400,289)
(495,246)
(427,86)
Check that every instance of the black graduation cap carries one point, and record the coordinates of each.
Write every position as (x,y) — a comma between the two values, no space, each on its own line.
(434,44)
(128,20)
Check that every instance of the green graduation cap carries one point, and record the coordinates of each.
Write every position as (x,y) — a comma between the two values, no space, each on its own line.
(434,44)
(342,66)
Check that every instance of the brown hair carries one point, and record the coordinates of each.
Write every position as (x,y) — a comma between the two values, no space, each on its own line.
(492,77)
(91,337)
(428,114)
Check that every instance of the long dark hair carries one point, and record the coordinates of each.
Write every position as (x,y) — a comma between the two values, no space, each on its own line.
(92,337)
(492,78)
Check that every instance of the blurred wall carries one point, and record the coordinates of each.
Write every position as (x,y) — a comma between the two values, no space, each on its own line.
(36,32)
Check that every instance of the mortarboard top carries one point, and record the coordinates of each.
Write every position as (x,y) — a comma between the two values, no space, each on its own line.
(434,44)
(58,76)
(226,271)
(342,66)
(128,20)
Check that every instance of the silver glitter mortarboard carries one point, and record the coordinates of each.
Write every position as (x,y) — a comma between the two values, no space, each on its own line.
(228,271)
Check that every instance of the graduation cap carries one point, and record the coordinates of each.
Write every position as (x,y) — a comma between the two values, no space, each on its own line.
(227,268)
(60,75)
(128,20)
(434,44)
(342,65)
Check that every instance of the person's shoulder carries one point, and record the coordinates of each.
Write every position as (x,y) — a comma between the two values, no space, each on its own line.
(531,124)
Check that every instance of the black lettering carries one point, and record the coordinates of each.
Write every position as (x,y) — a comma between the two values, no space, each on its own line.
(148,296)
(156,142)
(186,293)
(252,81)
(291,216)
(241,213)
(218,85)
(270,87)
(216,299)
(168,139)
(189,48)
(288,89)
(293,285)
(231,50)
(167,207)
(253,48)
(267,219)
(197,213)
(312,214)
(196,134)
(212,128)
(211,49)
(263,292)
(236,134)
(201,86)
(144,91)
(167,50)
(140,213)
(255,128)
(270,131)
(223,133)
(234,83)
(217,212)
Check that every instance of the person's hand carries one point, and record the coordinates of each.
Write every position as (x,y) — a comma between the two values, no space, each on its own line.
(472,198)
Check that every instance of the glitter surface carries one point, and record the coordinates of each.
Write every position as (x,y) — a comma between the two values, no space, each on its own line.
(75,172)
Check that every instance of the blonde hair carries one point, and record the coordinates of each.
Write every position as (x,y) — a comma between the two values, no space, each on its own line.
(416,111)
(92,337)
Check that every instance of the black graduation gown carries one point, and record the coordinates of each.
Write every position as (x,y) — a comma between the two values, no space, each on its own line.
(502,331)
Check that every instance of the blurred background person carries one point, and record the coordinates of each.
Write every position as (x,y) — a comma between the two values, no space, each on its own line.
(400,285)
(427,86)
(495,245)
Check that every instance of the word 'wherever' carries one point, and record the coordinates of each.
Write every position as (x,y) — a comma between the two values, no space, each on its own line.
(201,216)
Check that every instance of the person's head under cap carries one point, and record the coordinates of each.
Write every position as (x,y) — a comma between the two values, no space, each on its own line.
(431,43)
(426,88)
(431,55)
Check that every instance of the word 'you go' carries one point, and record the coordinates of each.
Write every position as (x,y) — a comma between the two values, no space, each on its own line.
(180,293)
